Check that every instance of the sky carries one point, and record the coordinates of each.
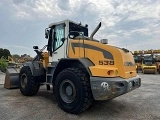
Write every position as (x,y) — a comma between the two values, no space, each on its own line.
(131,24)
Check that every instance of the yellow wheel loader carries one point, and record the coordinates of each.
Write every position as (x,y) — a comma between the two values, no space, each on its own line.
(80,68)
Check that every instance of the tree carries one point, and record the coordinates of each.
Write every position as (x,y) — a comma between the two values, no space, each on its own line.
(15,57)
(3,64)
(1,52)
(5,53)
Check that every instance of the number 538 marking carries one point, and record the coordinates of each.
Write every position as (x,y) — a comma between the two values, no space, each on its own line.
(106,62)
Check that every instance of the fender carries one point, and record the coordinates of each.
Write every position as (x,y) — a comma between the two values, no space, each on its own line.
(67,62)
(36,68)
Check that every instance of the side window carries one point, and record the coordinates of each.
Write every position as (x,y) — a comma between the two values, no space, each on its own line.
(59,34)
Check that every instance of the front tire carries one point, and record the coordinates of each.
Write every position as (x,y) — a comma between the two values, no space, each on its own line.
(73,91)
(27,83)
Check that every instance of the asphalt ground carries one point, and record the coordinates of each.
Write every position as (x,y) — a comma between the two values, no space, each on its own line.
(140,104)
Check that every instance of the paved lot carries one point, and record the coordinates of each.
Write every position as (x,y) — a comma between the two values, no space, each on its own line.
(140,104)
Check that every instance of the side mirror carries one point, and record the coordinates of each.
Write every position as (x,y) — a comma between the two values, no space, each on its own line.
(35,47)
(73,34)
(46,33)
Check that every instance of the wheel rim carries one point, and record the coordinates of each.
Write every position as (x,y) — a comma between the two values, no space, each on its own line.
(67,91)
(23,80)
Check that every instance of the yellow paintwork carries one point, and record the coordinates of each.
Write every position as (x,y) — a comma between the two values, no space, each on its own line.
(10,59)
(138,64)
(45,60)
(148,67)
(146,52)
(119,56)
(100,70)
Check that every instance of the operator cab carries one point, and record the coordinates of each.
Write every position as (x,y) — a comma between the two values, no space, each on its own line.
(148,60)
(57,35)
(77,29)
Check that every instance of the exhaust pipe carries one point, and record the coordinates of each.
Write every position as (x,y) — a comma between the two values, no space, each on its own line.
(95,30)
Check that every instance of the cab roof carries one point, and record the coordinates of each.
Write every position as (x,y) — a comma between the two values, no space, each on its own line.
(64,21)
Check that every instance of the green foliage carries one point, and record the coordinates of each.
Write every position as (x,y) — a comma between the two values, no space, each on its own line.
(15,56)
(3,64)
(5,53)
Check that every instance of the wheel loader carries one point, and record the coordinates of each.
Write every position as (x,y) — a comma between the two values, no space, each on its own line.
(80,68)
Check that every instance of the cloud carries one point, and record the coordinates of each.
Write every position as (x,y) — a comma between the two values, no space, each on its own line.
(124,23)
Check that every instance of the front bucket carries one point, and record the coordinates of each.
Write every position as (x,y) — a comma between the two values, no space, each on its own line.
(12,78)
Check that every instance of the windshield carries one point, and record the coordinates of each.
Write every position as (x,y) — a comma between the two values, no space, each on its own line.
(78,28)
(148,61)
(137,58)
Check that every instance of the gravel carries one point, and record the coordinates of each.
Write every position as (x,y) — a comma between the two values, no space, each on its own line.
(2,77)
(140,104)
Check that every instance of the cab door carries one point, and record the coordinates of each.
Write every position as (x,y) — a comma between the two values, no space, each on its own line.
(58,43)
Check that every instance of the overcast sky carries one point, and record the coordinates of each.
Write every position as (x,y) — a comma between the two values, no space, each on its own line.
(134,24)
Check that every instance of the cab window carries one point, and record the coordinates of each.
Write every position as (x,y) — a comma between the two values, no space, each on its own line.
(59,33)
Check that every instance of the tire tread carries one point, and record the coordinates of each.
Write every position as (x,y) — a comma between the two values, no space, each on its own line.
(87,96)
(33,87)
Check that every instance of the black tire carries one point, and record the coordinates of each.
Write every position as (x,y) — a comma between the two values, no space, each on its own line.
(27,83)
(159,70)
(79,96)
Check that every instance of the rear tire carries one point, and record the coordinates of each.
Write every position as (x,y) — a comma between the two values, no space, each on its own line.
(27,83)
(73,91)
